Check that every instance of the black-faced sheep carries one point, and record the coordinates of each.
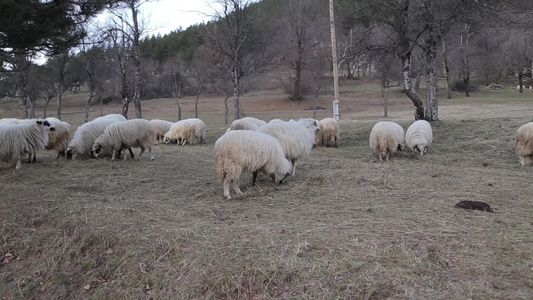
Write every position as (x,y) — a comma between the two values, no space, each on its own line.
(27,137)
(524,144)
(295,137)
(136,133)
(243,151)
(419,136)
(83,139)
(386,138)
(191,130)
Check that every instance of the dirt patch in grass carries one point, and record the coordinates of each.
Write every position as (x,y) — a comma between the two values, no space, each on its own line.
(346,226)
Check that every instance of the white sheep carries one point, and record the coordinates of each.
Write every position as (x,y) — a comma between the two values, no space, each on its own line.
(524,144)
(419,136)
(190,130)
(256,121)
(126,135)
(161,127)
(83,139)
(241,124)
(329,132)
(59,137)
(276,121)
(386,138)
(26,137)
(116,117)
(295,137)
(243,151)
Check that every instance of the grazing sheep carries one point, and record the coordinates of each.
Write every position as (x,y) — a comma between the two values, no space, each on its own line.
(419,136)
(329,131)
(191,130)
(83,139)
(59,137)
(385,138)
(116,117)
(524,144)
(295,137)
(125,135)
(161,127)
(241,124)
(256,121)
(27,137)
(242,151)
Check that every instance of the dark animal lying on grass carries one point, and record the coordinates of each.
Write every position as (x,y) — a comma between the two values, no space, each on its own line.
(477,205)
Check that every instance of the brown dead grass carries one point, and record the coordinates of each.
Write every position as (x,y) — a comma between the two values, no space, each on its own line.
(345,227)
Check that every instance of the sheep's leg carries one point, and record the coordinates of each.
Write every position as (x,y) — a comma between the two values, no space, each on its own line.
(387,156)
(131,153)
(29,158)
(18,166)
(380,158)
(226,190)
(254,177)
(336,143)
(152,154)
(113,155)
(236,188)
(293,161)
(184,142)
(140,154)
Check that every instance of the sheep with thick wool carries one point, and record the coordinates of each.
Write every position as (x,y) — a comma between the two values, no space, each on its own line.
(241,124)
(83,139)
(329,132)
(116,117)
(136,133)
(243,151)
(524,144)
(58,139)
(295,137)
(419,136)
(20,138)
(191,130)
(386,138)
(161,127)
(256,121)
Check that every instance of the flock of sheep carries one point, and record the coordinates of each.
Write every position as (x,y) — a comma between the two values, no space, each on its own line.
(250,145)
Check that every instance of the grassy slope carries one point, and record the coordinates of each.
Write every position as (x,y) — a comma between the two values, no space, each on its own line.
(346,226)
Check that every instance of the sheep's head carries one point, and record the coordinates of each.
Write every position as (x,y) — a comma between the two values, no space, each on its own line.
(96,150)
(420,149)
(70,153)
(45,124)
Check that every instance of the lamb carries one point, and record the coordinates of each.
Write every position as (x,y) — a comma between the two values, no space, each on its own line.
(386,138)
(256,121)
(126,134)
(59,137)
(295,137)
(242,151)
(524,144)
(83,139)
(419,136)
(27,137)
(191,130)
(329,131)
(161,127)
(241,124)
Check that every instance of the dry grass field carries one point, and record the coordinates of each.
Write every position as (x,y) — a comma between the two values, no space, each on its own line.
(345,227)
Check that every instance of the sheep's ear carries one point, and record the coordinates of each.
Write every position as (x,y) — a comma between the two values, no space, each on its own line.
(39,122)
(46,123)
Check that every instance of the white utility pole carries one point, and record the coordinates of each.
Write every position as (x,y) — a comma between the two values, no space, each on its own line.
(336,113)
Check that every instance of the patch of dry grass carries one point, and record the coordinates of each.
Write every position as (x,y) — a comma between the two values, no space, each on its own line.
(345,227)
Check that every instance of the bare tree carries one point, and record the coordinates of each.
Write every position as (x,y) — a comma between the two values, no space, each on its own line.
(236,36)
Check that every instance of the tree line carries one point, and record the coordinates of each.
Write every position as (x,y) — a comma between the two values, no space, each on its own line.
(397,40)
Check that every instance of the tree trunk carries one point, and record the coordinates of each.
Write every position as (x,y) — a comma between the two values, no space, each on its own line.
(87,105)
(447,78)
(418,77)
(226,112)
(196,105)
(236,93)
(46,102)
(137,86)
(125,105)
(58,110)
(432,88)
(296,96)
(385,95)
(408,88)
(520,82)
(31,107)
